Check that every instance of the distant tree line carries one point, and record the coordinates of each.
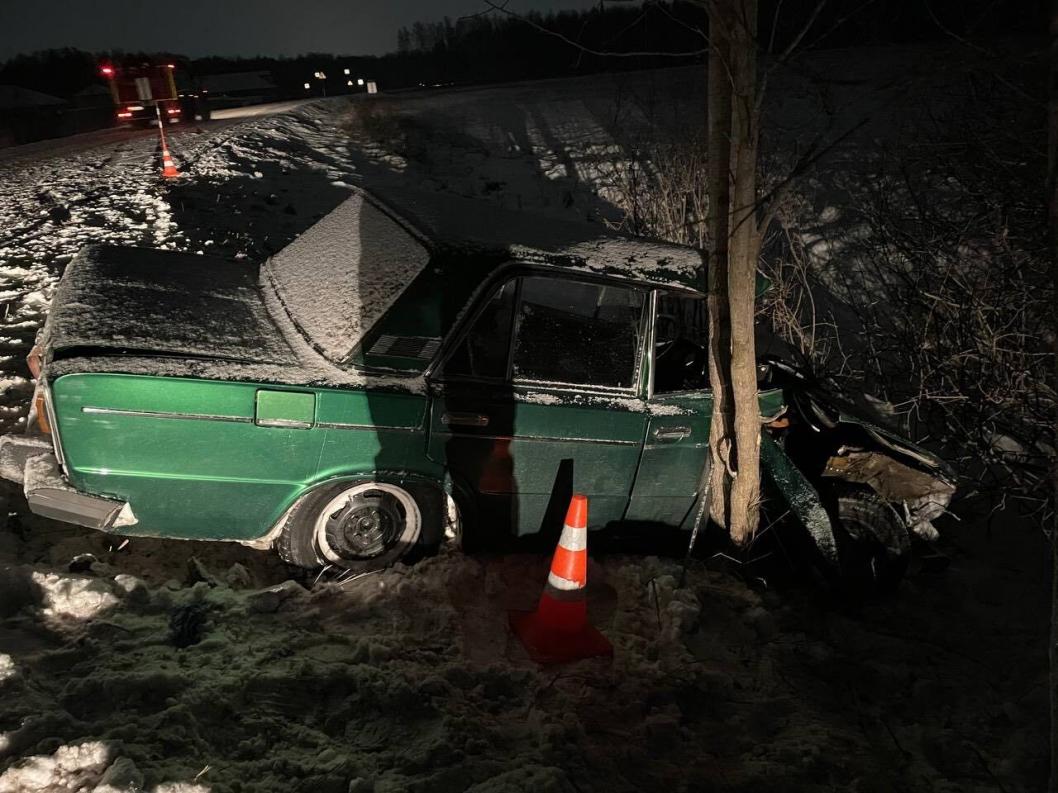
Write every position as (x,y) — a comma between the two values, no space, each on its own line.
(492,46)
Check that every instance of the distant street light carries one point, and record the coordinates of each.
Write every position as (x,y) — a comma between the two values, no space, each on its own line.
(322,78)
(307,86)
(348,82)
(346,71)
(359,80)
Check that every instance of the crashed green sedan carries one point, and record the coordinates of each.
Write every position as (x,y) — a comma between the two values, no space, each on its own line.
(403,370)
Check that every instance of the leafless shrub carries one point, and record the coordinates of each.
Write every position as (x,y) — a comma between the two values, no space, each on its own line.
(661,189)
(950,281)
(930,292)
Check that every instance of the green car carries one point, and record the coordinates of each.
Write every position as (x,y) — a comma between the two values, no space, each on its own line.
(396,373)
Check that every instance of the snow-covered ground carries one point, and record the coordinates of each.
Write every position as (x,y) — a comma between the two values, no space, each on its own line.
(167,666)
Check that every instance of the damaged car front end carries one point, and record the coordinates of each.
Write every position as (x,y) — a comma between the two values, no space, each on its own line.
(879,489)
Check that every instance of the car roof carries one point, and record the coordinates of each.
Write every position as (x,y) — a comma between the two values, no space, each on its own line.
(453,225)
(422,256)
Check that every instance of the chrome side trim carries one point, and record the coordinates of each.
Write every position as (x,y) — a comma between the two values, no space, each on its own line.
(285,424)
(668,446)
(166,415)
(474,435)
(337,425)
(465,419)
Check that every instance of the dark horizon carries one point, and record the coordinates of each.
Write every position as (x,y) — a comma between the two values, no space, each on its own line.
(246,28)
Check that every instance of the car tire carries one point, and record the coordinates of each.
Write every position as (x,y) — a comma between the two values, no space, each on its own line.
(873,542)
(363,525)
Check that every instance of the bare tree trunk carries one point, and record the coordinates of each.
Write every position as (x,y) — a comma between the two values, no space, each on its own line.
(743,254)
(719,195)
(732,125)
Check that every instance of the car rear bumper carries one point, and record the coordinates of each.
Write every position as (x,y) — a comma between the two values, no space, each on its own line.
(28,460)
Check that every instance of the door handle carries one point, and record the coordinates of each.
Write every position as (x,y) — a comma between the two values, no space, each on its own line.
(465,419)
(672,433)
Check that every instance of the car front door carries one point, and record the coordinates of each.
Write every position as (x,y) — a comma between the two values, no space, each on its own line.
(680,404)
(537,400)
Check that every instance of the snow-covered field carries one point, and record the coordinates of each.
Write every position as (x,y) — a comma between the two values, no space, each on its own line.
(167,666)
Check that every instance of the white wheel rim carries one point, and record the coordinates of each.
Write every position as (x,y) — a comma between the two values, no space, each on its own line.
(412,520)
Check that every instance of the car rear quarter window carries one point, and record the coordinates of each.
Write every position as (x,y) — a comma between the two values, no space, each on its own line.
(577,332)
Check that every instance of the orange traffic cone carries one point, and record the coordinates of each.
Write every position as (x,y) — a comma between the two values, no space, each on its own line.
(168,166)
(559,630)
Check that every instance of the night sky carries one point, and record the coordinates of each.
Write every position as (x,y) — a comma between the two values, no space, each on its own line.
(229,27)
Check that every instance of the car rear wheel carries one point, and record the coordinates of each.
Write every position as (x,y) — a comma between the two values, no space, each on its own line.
(874,545)
(361,526)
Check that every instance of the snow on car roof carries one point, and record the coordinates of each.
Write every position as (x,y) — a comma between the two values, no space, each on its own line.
(451,222)
(137,299)
(341,275)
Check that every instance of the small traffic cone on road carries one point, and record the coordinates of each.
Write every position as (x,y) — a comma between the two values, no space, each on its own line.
(559,630)
(168,166)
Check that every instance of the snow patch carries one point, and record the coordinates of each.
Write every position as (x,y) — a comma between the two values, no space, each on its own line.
(70,768)
(7,667)
(68,597)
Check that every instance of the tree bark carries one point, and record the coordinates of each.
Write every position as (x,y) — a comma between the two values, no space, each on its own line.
(732,222)
(718,121)
(743,255)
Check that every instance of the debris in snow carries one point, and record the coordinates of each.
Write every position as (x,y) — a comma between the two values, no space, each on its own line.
(187,624)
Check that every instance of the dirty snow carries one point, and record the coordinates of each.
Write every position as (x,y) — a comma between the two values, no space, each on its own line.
(410,680)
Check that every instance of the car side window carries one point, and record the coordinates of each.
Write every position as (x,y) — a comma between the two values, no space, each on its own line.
(577,332)
(681,344)
(483,351)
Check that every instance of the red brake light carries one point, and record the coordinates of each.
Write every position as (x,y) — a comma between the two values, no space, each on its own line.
(107,71)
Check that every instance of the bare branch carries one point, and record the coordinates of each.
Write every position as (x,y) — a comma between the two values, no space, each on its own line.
(501,7)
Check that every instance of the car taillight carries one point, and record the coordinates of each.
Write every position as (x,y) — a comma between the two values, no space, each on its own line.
(124,115)
(173,111)
(41,405)
(33,361)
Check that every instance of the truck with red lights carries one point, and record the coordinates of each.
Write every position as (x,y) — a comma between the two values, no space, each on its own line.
(145,93)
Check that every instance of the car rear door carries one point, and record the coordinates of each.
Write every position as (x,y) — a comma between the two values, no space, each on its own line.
(536,399)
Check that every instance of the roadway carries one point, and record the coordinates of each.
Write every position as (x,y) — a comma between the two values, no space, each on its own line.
(73,144)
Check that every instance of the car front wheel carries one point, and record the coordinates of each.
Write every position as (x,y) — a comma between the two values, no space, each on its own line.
(361,526)
(874,545)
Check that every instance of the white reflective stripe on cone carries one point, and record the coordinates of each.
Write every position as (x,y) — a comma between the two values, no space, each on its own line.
(573,539)
(561,583)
